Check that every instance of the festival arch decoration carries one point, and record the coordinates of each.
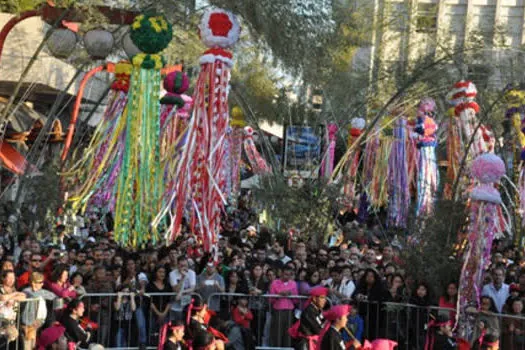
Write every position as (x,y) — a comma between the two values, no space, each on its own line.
(236,138)
(327,165)
(399,196)
(200,171)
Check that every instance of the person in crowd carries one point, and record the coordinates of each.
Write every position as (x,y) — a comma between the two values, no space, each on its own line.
(175,337)
(332,339)
(77,281)
(123,308)
(210,282)
(340,290)
(440,334)
(313,280)
(497,289)
(278,251)
(420,313)
(197,324)
(53,338)
(513,328)
(370,293)
(355,327)
(100,306)
(59,283)
(34,313)
(307,330)
(282,308)
(35,262)
(75,334)
(487,325)
(183,281)
(160,305)
(449,299)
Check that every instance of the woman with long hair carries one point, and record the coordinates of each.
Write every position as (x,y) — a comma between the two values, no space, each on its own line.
(159,304)
(258,286)
(513,327)
(371,293)
(487,326)
(419,314)
(59,283)
(449,299)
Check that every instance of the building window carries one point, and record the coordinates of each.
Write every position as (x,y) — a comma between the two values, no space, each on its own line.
(426,19)
(397,16)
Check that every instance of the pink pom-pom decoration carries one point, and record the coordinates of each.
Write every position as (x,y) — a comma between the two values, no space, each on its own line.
(219,29)
(248,131)
(427,106)
(488,168)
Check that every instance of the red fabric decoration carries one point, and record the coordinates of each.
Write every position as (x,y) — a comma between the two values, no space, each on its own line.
(220,24)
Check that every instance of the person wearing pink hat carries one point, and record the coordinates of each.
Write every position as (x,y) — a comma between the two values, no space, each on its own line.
(332,339)
(53,338)
(306,331)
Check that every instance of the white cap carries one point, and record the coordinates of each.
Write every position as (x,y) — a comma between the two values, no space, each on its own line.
(143,278)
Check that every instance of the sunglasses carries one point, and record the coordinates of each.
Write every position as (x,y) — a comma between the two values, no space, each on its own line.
(36,260)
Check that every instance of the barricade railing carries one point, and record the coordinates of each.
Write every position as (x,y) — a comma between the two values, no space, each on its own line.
(272,315)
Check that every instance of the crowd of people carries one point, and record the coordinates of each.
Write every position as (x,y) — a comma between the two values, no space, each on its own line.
(87,290)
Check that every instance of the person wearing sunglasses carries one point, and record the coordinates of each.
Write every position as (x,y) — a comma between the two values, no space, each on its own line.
(35,263)
(34,311)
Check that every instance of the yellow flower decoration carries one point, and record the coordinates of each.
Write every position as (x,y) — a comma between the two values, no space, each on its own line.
(155,25)
(137,22)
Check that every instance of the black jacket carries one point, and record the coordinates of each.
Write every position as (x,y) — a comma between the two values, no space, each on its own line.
(332,340)
(312,321)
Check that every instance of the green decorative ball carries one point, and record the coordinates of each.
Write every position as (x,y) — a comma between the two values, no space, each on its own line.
(151,34)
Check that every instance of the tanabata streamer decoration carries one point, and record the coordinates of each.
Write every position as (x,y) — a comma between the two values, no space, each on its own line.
(350,198)
(455,147)
(174,113)
(257,162)
(466,110)
(327,165)
(515,99)
(378,188)
(236,142)
(140,181)
(428,176)
(486,222)
(399,192)
(102,161)
(200,172)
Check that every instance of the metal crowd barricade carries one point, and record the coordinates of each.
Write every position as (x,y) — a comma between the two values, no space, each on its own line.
(402,322)
(20,321)
(124,328)
(269,327)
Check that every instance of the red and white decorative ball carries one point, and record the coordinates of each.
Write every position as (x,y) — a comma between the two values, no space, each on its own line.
(219,29)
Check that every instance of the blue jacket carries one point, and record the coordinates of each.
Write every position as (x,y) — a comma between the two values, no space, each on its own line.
(357,325)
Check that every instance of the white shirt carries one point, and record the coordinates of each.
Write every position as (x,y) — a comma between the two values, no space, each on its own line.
(190,280)
(499,296)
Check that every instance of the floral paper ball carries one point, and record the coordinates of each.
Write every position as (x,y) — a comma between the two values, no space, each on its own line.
(488,168)
(151,34)
(219,29)
(176,82)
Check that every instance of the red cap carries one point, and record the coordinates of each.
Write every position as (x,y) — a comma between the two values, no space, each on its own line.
(383,344)
(337,311)
(50,336)
(318,291)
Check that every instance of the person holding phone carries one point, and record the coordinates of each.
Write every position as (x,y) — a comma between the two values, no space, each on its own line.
(183,282)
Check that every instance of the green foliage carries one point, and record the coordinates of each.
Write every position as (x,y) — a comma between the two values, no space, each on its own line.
(430,256)
(18,6)
(308,209)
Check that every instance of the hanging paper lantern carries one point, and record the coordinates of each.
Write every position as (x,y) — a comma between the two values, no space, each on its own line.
(62,43)
(129,46)
(99,43)
(151,34)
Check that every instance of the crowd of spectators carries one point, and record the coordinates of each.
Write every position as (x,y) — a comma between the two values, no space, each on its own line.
(103,294)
